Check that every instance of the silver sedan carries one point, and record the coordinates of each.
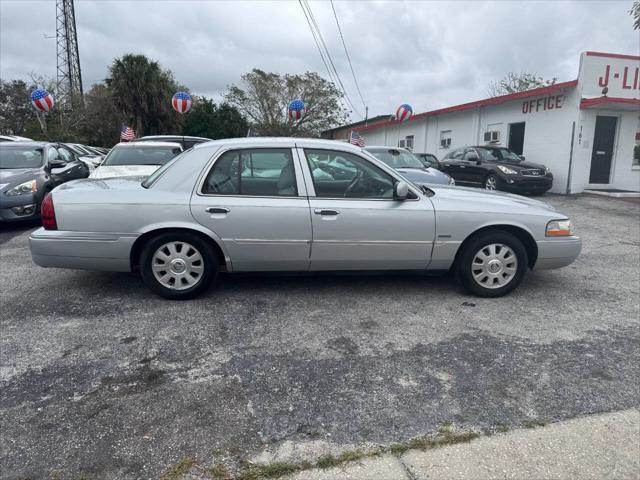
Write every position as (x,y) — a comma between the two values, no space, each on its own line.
(285,204)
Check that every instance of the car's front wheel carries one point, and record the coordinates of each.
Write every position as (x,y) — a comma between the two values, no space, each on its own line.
(491,182)
(179,265)
(492,264)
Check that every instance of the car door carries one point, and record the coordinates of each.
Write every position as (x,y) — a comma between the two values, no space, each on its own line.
(75,168)
(256,202)
(452,164)
(357,223)
(471,169)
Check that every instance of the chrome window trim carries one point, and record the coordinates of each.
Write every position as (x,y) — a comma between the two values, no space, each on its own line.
(220,152)
(311,190)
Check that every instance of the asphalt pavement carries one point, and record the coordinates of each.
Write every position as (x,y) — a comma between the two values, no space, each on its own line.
(99,377)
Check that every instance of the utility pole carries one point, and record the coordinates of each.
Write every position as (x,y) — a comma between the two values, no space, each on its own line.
(69,76)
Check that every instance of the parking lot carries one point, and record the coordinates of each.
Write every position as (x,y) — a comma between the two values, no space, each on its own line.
(102,378)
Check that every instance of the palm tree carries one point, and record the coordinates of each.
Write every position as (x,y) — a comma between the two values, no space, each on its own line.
(142,92)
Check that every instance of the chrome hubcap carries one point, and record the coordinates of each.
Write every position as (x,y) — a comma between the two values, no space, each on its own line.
(490,184)
(177,265)
(494,266)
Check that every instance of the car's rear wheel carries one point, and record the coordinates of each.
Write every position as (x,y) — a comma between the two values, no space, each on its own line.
(178,265)
(492,264)
(491,182)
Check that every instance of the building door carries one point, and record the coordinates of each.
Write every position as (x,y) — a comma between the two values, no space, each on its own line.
(603,139)
(516,137)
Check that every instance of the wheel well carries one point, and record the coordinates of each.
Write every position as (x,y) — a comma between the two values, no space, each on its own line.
(138,245)
(521,234)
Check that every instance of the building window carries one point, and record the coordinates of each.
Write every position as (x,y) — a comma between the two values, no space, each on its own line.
(445,139)
(409,142)
(401,143)
(636,151)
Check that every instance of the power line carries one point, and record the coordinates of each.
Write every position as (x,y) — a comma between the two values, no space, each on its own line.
(316,40)
(346,51)
(314,26)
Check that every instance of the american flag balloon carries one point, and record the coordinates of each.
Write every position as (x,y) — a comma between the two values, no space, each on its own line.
(181,102)
(42,100)
(296,109)
(404,112)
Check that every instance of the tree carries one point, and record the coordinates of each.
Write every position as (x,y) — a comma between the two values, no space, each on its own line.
(635,13)
(518,82)
(15,107)
(142,92)
(206,119)
(264,97)
(102,118)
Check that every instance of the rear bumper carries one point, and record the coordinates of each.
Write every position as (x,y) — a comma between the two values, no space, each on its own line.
(557,252)
(82,250)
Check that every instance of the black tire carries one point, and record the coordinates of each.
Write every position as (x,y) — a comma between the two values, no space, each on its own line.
(180,292)
(465,266)
(491,178)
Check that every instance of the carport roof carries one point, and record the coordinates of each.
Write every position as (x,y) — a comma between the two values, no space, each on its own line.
(481,103)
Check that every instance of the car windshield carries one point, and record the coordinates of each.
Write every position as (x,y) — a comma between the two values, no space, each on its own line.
(498,154)
(397,158)
(20,157)
(131,155)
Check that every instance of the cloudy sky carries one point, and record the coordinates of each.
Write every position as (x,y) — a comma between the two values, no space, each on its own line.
(429,54)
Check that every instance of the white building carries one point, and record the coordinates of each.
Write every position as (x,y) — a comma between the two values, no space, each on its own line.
(584,130)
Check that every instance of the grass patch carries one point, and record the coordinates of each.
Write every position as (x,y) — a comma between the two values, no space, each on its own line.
(253,471)
(218,472)
(502,428)
(327,461)
(180,468)
(535,422)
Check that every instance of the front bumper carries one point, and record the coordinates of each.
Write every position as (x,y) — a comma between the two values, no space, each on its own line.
(523,184)
(82,250)
(557,252)
(19,207)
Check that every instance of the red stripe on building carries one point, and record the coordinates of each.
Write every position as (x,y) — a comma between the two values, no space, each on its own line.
(481,103)
(613,55)
(590,102)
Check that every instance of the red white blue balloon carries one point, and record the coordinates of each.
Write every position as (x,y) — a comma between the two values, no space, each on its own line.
(42,100)
(296,109)
(181,102)
(404,112)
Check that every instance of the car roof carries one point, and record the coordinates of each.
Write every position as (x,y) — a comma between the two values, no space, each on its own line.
(282,142)
(30,143)
(147,144)
(177,137)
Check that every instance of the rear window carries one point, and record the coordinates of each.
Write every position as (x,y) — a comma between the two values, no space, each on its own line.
(140,155)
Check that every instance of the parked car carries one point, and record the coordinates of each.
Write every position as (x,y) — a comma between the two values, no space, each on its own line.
(496,168)
(136,159)
(90,158)
(409,166)
(428,160)
(14,138)
(186,141)
(202,213)
(28,170)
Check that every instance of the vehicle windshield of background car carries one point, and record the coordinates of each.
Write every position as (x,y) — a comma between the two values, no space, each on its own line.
(498,155)
(20,157)
(397,158)
(140,155)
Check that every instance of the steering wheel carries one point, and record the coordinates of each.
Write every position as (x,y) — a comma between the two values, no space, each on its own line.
(353,183)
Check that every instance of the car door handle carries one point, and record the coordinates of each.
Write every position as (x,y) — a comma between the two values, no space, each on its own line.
(322,211)
(463,166)
(217,210)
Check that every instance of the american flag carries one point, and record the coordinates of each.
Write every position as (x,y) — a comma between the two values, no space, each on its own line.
(126,133)
(356,139)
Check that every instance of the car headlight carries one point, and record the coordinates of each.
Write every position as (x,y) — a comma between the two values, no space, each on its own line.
(559,228)
(26,187)
(507,170)
(451,181)
(547,171)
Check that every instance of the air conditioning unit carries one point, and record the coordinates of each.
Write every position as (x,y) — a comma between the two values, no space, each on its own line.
(492,136)
(445,142)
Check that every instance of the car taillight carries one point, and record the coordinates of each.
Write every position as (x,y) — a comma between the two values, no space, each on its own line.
(48,213)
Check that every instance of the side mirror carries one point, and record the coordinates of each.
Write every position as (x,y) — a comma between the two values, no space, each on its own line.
(521,157)
(56,163)
(400,191)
